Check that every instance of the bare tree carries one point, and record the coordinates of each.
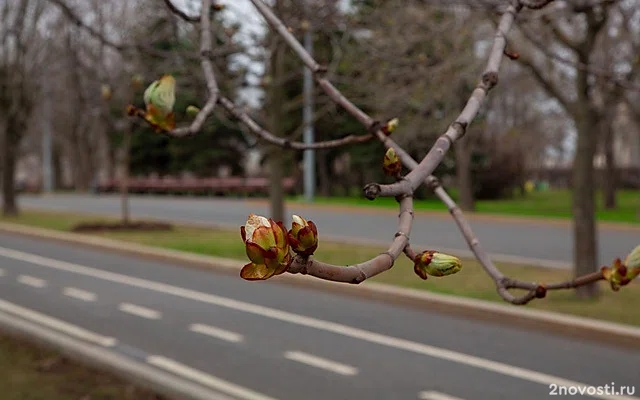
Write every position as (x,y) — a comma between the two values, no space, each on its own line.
(20,56)
(575,93)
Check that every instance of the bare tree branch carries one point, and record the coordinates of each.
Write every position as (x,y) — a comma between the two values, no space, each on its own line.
(457,129)
(622,81)
(264,134)
(546,84)
(120,47)
(360,272)
(207,68)
(180,13)
(404,187)
(562,36)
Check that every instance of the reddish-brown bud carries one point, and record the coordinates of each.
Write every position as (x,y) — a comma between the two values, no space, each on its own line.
(390,126)
(131,110)
(541,292)
(303,236)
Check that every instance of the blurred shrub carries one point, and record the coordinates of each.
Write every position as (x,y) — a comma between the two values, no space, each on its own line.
(497,168)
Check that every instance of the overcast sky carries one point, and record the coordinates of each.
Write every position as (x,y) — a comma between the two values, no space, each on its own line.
(237,10)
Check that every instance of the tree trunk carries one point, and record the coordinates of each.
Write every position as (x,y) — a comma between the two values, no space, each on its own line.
(463,174)
(9,159)
(80,183)
(58,181)
(111,161)
(276,192)
(610,178)
(124,180)
(585,254)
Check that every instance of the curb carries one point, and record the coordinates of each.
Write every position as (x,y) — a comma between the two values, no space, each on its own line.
(614,334)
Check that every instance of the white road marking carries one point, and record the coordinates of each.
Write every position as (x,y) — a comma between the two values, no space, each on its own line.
(205,379)
(216,333)
(56,324)
(32,281)
(431,395)
(79,294)
(139,311)
(301,320)
(323,363)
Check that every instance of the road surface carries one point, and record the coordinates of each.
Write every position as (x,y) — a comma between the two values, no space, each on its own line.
(506,240)
(264,340)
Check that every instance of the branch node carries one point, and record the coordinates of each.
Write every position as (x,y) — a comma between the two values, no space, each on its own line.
(372,190)
(459,126)
(489,80)
(541,292)
(390,258)
(375,127)
(432,182)
(504,282)
(403,196)
(321,69)
(400,233)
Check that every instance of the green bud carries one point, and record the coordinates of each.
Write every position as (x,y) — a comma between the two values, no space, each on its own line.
(161,95)
(266,246)
(434,263)
(192,111)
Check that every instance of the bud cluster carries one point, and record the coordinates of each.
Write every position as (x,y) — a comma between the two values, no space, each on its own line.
(268,245)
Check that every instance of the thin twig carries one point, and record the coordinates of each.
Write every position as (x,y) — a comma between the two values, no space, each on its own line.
(360,272)
(71,15)
(503,283)
(180,13)
(207,68)
(457,129)
(269,137)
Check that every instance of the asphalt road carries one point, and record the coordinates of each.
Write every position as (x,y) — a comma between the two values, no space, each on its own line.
(549,244)
(283,342)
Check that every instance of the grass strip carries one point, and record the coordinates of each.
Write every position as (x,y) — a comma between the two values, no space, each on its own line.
(34,372)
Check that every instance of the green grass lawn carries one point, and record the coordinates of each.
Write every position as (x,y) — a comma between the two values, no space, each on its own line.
(33,372)
(553,204)
(472,281)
